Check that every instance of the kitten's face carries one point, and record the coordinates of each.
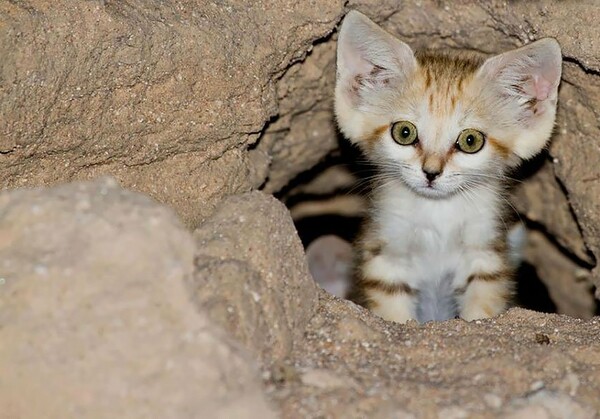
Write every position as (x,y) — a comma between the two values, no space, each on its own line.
(438,139)
(443,124)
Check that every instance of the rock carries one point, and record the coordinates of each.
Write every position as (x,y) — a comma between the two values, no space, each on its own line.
(541,200)
(453,412)
(568,284)
(193,102)
(252,276)
(325,379)
(95,318)
(106,299)
(445,369)
(168,97)
(577,150)
(550,405)
(331,180)
(306,99)
(108,305)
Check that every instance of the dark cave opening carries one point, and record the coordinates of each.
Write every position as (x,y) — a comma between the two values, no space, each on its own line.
(531,292)
(329,215)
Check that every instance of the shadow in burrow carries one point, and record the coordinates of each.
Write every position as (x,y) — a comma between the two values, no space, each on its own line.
(326,217)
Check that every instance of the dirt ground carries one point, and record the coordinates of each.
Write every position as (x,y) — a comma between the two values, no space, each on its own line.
(179,288)
(522,364)
(109,301)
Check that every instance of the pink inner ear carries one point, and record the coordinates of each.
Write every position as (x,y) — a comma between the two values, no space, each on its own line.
(541,87)
(356,63)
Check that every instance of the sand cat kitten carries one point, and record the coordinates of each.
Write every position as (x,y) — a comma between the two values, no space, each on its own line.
(442,130)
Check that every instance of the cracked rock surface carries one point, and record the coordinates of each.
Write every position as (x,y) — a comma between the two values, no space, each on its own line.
(110,307)
(95,319)
(193,101)
(353,365)
(166,96)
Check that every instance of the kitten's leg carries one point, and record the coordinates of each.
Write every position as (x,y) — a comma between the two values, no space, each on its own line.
(486,295)
(383,290)
(399,307)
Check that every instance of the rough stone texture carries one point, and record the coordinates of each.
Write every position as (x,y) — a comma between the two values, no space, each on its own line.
(577,151)
(569,285)
(165,95)
(251,274)
(355,365)
(541,200)
(306,100)
(194,101)
(106,300)
(95,320)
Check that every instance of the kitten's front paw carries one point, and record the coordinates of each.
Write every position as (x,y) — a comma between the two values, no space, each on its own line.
(487,297)
(480,310)
(477,313)
(399,311)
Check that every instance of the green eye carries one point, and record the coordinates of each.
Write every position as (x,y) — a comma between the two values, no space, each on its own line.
(404,133)
(470,141)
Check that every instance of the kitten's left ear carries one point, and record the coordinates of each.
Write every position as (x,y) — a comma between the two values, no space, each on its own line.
(526,81)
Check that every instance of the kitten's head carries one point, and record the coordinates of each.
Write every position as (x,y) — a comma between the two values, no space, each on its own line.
(443,123)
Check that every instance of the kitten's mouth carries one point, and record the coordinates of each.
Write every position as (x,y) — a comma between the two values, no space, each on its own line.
(432,191)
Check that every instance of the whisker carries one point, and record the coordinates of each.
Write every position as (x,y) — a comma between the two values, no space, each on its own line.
(475,199)
(500,194)
(503,178)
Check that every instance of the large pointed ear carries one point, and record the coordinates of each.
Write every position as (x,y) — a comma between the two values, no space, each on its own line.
(525,84)
(370,64)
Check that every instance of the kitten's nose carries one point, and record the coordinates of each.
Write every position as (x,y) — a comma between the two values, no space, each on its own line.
(431,174)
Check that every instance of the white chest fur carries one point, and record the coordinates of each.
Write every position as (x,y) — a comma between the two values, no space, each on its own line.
(429,240)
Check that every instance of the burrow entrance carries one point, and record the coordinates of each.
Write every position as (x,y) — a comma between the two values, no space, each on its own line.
(331,198)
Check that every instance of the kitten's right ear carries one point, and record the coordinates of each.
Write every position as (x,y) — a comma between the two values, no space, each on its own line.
(371,65)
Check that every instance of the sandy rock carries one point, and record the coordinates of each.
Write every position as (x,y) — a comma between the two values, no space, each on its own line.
(542,200)
(569,285)
(103,294)
(166,96)
(95,319)
(306,100)
(325,379)
(549,405)
(331,180)
(191,102)
(251,274)
(488,368)
(577,151)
